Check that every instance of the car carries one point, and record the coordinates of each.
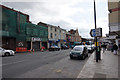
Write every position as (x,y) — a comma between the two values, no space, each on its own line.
(79,52)
(93,46)
(4,52)
(90,48)
(64,47)
(54,48)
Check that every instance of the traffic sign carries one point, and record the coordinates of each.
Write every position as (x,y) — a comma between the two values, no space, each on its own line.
(93,33)
(99,32)
(96,32)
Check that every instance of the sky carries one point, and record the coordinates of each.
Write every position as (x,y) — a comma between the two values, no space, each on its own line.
(68,14)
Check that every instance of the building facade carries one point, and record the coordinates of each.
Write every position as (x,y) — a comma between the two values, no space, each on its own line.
(114,21)
(18,33)
(56,36)
(69,39)
(74,37)
(37,36)
(13,28)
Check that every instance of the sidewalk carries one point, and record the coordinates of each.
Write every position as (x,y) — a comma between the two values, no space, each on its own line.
(106,68)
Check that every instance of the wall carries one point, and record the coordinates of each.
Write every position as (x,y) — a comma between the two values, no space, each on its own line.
(112,5)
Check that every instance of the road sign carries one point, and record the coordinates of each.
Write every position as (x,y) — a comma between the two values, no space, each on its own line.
(93,33)
(96,32)
(99,32)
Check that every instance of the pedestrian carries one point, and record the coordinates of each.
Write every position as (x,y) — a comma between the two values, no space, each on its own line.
(111,47)
(104,47)
(115,48)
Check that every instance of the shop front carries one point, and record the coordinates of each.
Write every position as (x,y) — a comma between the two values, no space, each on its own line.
(53,42)
(62,42)
(35,44)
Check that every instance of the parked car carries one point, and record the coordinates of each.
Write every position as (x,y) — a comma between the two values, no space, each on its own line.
(79,52)
(4,52)
(64,47)
(90,48)
(93,46)
(54,48)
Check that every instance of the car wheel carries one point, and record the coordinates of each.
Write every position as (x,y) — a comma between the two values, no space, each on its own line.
(7,54)
(71,57)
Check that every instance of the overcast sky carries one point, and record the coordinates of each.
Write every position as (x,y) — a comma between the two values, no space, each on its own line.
(68,14)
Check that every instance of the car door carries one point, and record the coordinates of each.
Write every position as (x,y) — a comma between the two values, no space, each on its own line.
(83,50)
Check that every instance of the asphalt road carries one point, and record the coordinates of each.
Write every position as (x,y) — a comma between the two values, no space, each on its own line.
(53,64)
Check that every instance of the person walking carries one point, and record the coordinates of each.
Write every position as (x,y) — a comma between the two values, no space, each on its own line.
(104,47)
(115,48)
(112,47)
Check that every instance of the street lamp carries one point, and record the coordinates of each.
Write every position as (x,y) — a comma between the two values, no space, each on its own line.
(95,28)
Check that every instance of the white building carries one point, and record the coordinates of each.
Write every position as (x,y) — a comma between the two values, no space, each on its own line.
(56,36)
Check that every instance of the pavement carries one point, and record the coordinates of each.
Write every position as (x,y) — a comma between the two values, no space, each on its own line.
(107,67)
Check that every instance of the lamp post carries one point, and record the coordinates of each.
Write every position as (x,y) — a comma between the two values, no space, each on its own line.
(95,28)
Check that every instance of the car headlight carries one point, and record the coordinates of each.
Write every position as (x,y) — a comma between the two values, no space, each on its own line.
(70,52)
(12,52)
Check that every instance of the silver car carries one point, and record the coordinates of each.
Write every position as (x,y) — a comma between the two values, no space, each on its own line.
(79,51)
(4,52)
(90,48)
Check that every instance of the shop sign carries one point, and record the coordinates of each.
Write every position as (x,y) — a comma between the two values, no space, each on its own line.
(36,39)
(20,44)
(53,39)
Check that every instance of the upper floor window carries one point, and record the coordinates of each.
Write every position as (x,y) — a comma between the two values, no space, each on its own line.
(60,30)
(51,35)
(51,28)
(55,35)
(55,30)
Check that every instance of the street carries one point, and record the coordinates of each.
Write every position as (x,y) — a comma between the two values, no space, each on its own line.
(48,64)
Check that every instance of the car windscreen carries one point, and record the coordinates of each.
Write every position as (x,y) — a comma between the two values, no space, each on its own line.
(77,48)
